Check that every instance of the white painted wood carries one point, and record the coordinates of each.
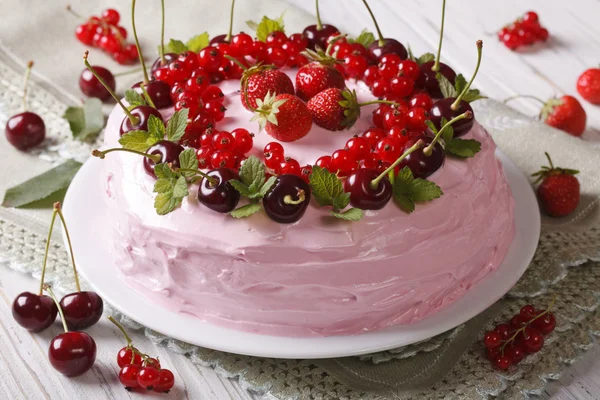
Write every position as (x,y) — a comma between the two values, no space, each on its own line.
(543,71)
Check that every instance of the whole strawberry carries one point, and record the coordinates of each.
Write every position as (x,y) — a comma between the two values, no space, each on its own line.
(285,116)
(257,81)
(559,191)
(565,114)
(318,75)
(588,85)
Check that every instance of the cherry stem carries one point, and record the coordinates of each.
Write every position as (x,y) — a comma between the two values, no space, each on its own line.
(26,84)
(456,103)
(114,321)
(381,42)
(288,199)
(76,14)
(60,310)
(230,33)
(429,149)
(236,61)
(137,43)
(163,60)
(133,119)
(101,154)
(436,65)
(392,103)
(319,23)
(146,95)
(525,96)
(46,252)
(58,210)
(210,179)
(375,182)
(133,71)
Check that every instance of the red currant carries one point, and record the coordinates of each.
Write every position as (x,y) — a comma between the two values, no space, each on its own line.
(532,340)
(222,159)
(110,44)
(517,322)
(394,118)
(531,16)
(527,312)
(273,160)
(379,113)
(380,87)
(388,71)
(492,340)
(355,65)
(387,150)
(417,117)
(212,92)
(203,155)
(128,376)
(502,362)
(166,381)
(223,140)
(515,352)
(289,166)
(359,147)
(546,323)
(409,69)
(324,162)
(210,58)
(402,86)
(422,100)
(243,140)
(273,147)
(399,135)
(371,75)
(276,56)
(343,162)
(198,82)
(111,16)
(373,135)
(215,109)
(126,356)
(85,33)
(148,377)
(276,39)
(504,330)
(241,44)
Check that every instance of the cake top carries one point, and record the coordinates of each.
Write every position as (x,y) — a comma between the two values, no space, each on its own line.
(358,114)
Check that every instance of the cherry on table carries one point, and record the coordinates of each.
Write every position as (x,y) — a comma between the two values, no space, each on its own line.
(34,312)
(317,36)
(91,86)
(217,193)
(72,353)
(287,200)
(82,309)
(169,153)
(365,195)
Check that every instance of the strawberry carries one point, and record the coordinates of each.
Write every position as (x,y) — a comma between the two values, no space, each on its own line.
(565,114)
(284,116)
(559,191)
(257,81)
(588,85)
(318,75)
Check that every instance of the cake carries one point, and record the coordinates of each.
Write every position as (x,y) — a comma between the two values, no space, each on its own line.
(317,275)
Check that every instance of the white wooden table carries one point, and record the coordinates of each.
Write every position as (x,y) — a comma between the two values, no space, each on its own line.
(543,70)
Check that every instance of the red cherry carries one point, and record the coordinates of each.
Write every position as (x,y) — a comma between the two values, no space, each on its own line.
(166,379)
(25,130)
(81,309)
(545,324)
(127,356)
(492,340)
(128,376)
(34,312)
(72,353)
(148,377)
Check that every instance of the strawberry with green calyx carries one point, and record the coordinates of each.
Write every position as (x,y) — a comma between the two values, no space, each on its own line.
(283,116)
(336,109)
(318,75)
(565,113)
(260,80)
(559,191)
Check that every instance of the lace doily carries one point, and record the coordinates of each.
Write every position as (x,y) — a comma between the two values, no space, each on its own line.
(448,366)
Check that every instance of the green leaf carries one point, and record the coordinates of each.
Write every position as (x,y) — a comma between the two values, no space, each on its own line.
(267,186)
(408,190)
(448,133)
(87,121)
(473,95)
(176,125)
(188,160)
(266,26)
(43,186)
(342,201)
(460,83)
(463,148)
(365,38)
(164,203)
(431,127)
(411,56)
(198,42)
(171,188)
(425,58)
(134,98)
(175,46)
(241,187)
(424,190)
(156,128)
(245,211)
(351,214)
(137,140)
(325,186)
(252,25)
(180,189)
(446,86)
(252,172)
(163,171)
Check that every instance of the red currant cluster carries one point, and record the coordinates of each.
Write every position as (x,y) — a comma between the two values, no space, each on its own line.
(106,33)
(278,50)
(509,343)
(222,149)
(279,164)
(524,31)
(138,370)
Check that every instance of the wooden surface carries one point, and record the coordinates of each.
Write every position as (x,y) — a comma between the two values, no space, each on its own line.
(543,70)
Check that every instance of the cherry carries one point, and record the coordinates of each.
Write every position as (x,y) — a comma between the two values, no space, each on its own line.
(148,377)
(127,356)
(421,164)
(215,191)
(287,199)
(169,153)
(158,91)
(27,129)
(382,45)
(141,115)
(166,381)
(34,312)
(128,376)
(82,309)
(451,107)
(91,86)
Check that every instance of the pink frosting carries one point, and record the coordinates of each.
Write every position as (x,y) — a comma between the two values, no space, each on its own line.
(319,276)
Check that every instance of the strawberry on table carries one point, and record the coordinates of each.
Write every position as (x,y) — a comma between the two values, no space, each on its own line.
(588,85)
(260,80)
(559,191)
(283,116)
(565,114)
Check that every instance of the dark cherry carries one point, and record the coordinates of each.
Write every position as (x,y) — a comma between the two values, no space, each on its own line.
(169,57)
(81,309)
(279,203)
(431,84)
(362,195)
(421,164)
(443,109)
(34,312)
(318,37)
(169,153)
(389,46)
(91,86)
(159,92)
(25,130)
(72,353)
(221,196)
(142,113)
(218,39)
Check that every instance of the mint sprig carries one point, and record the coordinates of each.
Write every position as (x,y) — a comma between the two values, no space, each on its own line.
(449,90)
(365,38)
(246,210)
(189,161)
(422,59)
(143,140)
(253,185)
(328,191)
(86,121)
(176,125)
(409,190)
(462,148)
(134,98)
(171,188)
(266,26)
(194,44)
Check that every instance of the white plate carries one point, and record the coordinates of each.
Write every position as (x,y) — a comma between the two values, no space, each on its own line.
(91,241)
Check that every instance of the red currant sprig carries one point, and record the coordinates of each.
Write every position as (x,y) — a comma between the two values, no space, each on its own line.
(508,344)
(139,370)
(525,31)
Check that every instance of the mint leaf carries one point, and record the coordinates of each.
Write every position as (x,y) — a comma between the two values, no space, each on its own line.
(427,57)
(50,184)
(252,172)
(446,86)
(448,133)
(460,83)
(188,160)
(134,98)
(351,214)
(266,26)
(170,187)
(325,186)
(424,190)
(342,201)
(245,211)
(180,189)
(411,56)
(473,95)
(156,128)
(176,125)
(198,42)
(463,148)
(87,121)
(431,127)
(264,189)
(240,187)
(408,190)
(365,38)
(137,140)
(175,46)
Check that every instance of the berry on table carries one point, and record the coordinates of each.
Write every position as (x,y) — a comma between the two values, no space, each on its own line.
(588,85)
(559,190)
(524,31)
